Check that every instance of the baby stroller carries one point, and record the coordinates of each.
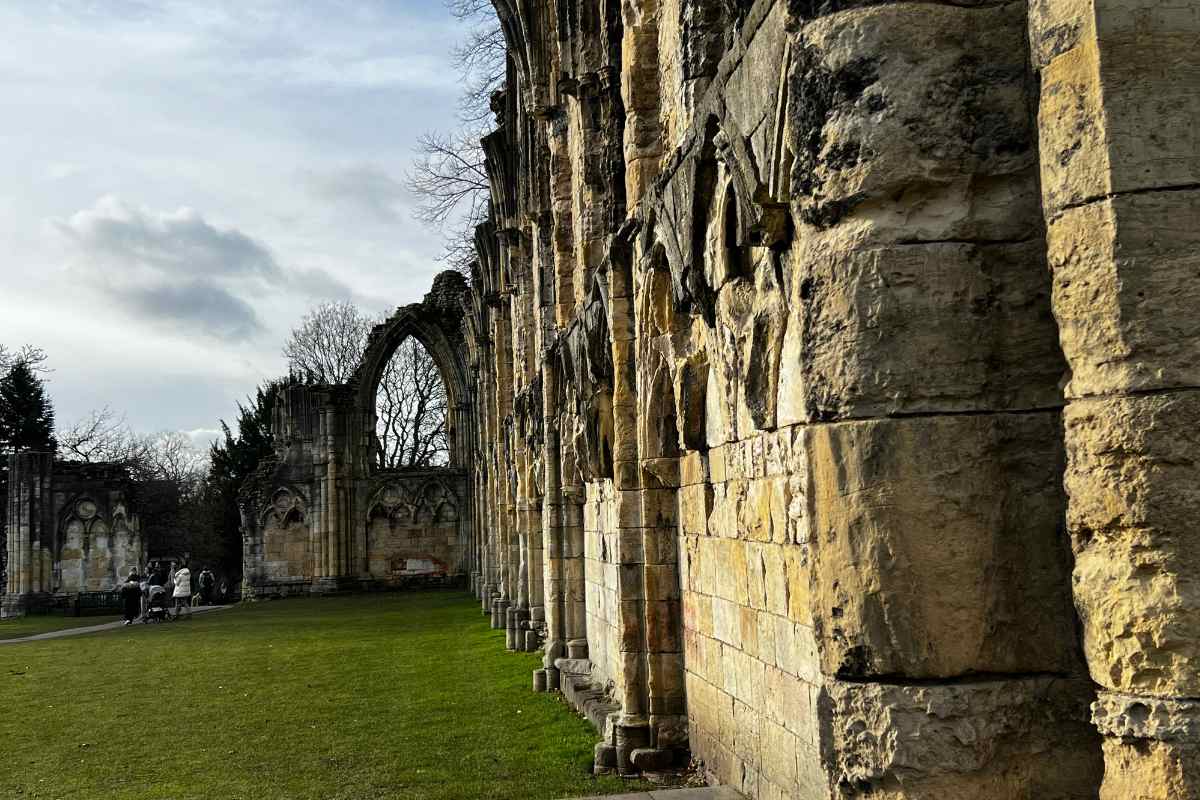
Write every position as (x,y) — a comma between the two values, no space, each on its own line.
(156,605)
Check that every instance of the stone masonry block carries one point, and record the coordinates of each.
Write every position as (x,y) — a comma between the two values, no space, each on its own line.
(990,740)
(1117,112)
(938,548)
(1131,477)
(1126,294)
(921,328)
(913,123)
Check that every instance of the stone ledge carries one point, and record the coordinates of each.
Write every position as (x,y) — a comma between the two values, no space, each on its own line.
(1128,716)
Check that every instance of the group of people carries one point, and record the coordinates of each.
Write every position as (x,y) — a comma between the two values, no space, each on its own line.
(140,593)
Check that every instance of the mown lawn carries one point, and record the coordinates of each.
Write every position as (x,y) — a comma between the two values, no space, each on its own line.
(31,626)
(389,696)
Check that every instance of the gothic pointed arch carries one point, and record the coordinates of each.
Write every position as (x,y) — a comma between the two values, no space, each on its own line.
(437,324)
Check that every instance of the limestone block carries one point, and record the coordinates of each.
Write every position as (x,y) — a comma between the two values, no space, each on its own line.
(787,701)
(727,626)
(1137,769)
(1131,478)
(911,121)
(660,508)
(661,582)
(991,740)
(937,546)
(748,622)
(1126,293)
(1120,96)
(755,560)
(778,585)
(727,499)
(799,582)
(663,626)
(779,748)
(918,329)
(754,511)
(695,505)
(693,469)
(752,89)
(716,465)
(766,638)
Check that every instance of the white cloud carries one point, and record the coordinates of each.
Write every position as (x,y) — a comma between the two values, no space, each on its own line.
(248,154)
(181,242)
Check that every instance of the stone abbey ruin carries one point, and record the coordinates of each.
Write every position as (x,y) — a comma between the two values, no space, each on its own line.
(824,402)
(72,528)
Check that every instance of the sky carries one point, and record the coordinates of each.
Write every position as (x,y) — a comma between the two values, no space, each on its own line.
(180,180)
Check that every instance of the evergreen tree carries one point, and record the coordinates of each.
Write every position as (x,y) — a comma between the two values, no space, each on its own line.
(26,415)
(232,462)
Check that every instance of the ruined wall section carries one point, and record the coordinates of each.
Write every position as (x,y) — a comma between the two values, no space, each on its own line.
(776,278)
(1120,169)
(72,528)
(320,514)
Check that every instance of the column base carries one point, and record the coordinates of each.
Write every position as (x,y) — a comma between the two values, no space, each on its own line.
(631,734)
(499,613)
(14,605)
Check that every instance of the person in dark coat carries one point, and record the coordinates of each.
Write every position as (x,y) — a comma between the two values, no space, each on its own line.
(131,597)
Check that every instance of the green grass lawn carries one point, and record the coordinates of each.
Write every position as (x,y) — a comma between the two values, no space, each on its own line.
(388,696)
(30,626)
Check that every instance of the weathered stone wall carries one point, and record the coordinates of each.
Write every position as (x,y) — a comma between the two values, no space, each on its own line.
(72,528)
(413,526)
(1120,182)
(825,390)
(768,395)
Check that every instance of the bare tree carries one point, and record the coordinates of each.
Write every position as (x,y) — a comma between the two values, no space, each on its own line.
(33,357)
(102,435)
(449,174)
(171,456)
(105,436)
(411,408)
(329,342)
(480,58)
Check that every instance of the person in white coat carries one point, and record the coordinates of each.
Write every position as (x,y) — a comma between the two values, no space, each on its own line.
(183,590)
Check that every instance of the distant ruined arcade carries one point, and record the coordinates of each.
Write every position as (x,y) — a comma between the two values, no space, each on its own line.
(322,515)
(72,528)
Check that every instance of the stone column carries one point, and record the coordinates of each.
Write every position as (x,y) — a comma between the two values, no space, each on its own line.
(30,529)
(916,507)
(333,511)
(574,583)
(1120,110)
(552,531)
(632,730)
(535,576)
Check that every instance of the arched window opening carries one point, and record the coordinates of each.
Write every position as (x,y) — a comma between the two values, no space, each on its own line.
(411,407)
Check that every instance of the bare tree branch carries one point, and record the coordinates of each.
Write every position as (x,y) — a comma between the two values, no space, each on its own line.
(329,342)
(102,436)
(411,409)
(33,357)
(449,175)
